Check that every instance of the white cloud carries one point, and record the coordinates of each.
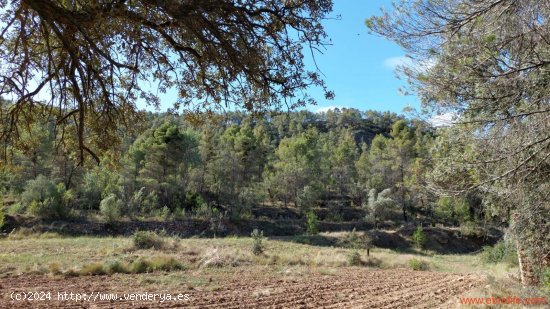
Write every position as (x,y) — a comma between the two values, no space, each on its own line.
(443,120)
(325,109)
(393,62)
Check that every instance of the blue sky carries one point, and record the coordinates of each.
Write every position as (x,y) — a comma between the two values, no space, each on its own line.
(359,67)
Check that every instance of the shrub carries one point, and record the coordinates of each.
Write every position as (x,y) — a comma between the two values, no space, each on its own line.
(308,197)
(502,252)
(148,240)
(416,264)
(311,223)
(16,208)
(419,237)
(92,269)
(257,239)
(451,209)
(354,240)
(354,258)
(204,210)
(164,213)
(163,263)
(179,213)
(546,279)
(111,208)
(43,198)
(115,266)
(2,216)
(156,263)
(54,268)
(141,265)
(471,229)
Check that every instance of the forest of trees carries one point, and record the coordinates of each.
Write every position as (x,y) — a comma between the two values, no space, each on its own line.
(378,162)
(73,142)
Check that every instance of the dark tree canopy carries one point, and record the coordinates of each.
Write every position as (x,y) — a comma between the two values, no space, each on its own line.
(87,62)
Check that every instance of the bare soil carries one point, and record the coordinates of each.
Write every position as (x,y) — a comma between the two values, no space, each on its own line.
(345,288)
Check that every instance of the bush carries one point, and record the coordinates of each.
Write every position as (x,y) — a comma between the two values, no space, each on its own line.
(471,229)
(354,258)
(416,264)
(156,263)
(148,240)
(141,265)
(308,197)
(92,269)
(115,267)
(43,198)
(451,209)
(2,216)
(502,252)
(311,223)
(257,239)
(111,208)
(16,208)
(354,240)
(546,279)
(419,237)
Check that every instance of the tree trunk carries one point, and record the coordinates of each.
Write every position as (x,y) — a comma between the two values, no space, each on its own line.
(528,276)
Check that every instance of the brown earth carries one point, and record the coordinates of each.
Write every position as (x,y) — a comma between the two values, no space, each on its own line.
(348,288)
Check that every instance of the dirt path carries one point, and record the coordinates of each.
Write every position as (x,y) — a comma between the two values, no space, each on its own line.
(350,288)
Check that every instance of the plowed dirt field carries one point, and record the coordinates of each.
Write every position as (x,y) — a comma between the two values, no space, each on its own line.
(346,288)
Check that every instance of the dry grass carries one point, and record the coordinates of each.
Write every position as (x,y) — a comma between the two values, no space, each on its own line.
(55,255)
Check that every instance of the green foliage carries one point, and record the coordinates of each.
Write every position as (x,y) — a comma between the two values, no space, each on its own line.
(354,240)
(379,206)
(234,162)
(155,263)
(308,197)
(16,208)
(311,223)
(44,199)
(419,237)
(452,210)
(148,240)
(114,266)
(111,208)
(502,252)
(2,216)
(416,264)
(471,229)
(546,279)
(257,242)
(98,184)
(138,266)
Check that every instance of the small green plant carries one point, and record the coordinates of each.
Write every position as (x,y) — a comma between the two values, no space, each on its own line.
(94,269)
(141,265)
(257,242)
(2,217)
(502,252)
(156,263)
(546,279)
(419,237)
(416,264)
(471,229)
(354,258)
(115,267)
(311,223)
(54,268)
(148,240)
